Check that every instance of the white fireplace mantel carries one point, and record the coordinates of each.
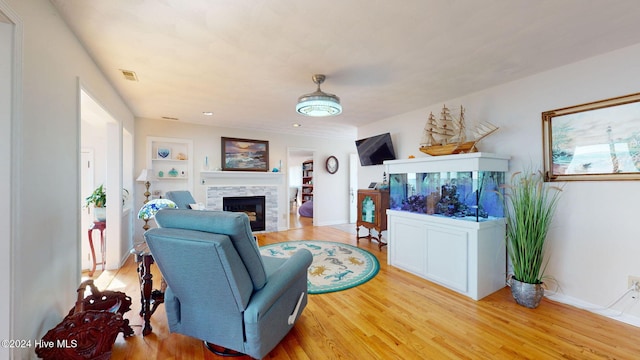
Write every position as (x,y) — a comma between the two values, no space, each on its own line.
(241,177)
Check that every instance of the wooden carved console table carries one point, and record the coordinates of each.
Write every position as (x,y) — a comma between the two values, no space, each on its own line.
(150,299)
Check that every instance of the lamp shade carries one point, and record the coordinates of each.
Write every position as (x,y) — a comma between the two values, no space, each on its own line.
(149,210)
(319,103)
(145,175)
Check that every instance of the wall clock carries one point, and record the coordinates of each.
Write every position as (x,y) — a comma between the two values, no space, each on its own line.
(332,164)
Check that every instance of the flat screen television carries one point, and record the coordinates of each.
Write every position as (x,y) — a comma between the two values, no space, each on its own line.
(375,149)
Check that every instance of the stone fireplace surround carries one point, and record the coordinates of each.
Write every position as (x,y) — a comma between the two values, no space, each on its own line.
(215,195)
(271,185)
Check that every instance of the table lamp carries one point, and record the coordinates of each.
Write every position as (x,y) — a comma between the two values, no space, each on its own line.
(150,208)
(145,177)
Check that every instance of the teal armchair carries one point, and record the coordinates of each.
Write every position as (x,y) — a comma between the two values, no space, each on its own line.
(182,198)
(219,288)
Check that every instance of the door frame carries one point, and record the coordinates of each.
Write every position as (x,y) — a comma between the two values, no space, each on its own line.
(10,184)
(354,162)
(113,180)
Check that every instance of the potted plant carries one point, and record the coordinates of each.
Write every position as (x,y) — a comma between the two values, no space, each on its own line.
(98,199)
(530,206)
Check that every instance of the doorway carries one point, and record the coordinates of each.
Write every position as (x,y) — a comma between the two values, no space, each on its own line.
(101,164)
(299,194)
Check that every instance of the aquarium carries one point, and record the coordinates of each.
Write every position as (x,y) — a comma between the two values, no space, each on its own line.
(465,195)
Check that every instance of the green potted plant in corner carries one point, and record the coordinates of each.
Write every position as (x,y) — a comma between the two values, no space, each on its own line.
(530,206)
(98,199)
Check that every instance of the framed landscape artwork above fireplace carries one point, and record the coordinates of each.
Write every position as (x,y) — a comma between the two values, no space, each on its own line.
(244,154)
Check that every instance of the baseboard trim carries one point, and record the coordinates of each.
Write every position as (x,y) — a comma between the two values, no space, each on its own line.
(330,222)
(610,313)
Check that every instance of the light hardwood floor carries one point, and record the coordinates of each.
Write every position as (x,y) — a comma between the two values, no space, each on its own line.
(400,316)
(296,221)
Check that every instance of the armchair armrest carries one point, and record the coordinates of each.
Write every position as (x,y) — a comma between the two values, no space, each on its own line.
(292,318)
(277,284)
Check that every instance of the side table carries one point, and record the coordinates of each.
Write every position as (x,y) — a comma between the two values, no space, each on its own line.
(150,299)
(101,226)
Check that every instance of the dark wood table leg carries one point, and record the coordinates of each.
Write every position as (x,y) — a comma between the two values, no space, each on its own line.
(101,226)
(149,299)
(379,238)
(103,250)
(368,236)
(93,252)
(146,288)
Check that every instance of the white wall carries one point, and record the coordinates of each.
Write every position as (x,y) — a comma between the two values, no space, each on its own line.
(46,252)
(330,191)
(593,242)
(6,99)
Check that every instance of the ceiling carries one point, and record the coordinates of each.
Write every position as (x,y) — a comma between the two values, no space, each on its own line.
(248,61)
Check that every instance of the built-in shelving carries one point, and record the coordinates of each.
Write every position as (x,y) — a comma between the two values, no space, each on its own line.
(307,181)
(171,163)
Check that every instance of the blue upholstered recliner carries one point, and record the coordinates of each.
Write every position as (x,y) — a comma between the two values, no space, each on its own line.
(182,198)
(219,288)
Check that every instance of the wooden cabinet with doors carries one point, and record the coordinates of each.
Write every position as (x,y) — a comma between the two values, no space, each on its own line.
(372,207)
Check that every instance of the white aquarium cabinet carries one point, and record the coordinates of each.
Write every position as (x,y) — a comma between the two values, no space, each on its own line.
(446,221)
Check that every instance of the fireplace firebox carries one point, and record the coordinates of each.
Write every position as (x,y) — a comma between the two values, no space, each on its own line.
(253,206)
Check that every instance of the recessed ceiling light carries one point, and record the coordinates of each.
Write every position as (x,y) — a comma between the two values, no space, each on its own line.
(207,113)
(296,125)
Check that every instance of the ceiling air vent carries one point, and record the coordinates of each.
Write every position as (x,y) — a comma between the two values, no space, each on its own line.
(129,75)
(170,118)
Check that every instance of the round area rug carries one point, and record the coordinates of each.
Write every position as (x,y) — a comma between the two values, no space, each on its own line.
(335,266)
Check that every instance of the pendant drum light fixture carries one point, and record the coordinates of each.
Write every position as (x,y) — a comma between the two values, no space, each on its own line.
(319,103)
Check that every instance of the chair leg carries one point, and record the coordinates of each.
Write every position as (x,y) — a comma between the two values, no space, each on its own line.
(222,351)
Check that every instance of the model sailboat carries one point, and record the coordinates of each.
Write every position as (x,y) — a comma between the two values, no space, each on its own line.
(447,135)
